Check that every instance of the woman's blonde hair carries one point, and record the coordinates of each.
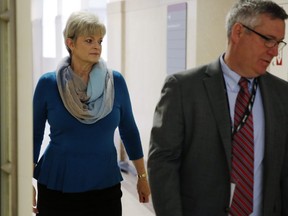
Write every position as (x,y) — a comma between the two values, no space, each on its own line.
(82,23)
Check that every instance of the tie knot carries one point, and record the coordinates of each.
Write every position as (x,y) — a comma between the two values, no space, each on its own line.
(243,83)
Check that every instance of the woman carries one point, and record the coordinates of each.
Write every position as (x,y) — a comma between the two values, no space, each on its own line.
(84,102)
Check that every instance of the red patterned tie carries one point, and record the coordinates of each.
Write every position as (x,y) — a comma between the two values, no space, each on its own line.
(243,156)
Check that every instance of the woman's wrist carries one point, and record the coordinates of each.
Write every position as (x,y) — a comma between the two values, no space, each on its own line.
(142,176)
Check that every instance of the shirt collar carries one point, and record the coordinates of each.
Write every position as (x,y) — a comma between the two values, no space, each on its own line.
(231,77)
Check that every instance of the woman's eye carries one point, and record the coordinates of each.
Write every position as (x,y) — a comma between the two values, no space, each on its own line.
(88,41)
(91,41)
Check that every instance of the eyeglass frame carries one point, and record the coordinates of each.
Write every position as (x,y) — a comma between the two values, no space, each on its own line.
(281,44)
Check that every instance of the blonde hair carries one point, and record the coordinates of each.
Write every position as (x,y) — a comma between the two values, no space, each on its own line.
(82,23)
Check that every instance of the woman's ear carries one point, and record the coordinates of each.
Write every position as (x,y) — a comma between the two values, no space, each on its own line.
(70,43)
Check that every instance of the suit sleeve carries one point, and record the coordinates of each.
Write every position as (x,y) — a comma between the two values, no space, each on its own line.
(165,151)
(284,185)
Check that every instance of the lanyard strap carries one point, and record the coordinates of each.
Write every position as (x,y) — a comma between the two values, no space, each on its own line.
(248,109)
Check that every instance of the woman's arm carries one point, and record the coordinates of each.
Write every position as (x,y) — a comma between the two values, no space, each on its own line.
(142,183)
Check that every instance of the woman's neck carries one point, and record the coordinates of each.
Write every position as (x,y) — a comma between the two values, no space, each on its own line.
(82,70)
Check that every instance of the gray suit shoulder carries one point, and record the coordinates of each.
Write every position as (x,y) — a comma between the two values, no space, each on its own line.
(275,82)
(196,74)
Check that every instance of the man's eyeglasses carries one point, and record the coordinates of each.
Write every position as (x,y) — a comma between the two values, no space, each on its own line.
(269,42)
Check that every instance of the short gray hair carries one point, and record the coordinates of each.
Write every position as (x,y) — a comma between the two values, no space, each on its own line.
(247,12)
(82,23)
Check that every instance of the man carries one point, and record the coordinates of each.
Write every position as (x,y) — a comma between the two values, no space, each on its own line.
(196,165)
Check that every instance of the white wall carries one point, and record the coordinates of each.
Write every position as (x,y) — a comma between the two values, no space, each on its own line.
(137,47)
(280,70)
(24,108)
(211,33)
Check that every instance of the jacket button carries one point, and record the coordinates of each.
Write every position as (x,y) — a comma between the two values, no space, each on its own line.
(227,209)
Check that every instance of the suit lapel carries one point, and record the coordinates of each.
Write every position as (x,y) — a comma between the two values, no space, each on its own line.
(275,124)
(275,130)
(215,87)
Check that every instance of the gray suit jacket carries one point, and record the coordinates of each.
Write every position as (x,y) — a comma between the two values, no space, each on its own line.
(189,160)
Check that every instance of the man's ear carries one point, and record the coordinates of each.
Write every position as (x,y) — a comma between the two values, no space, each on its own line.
(237,32)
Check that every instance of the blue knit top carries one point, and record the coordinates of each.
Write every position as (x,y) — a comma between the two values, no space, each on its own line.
(81,157)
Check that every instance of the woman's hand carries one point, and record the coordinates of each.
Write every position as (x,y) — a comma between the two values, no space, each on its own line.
(34,202)
(143,190)
(142,184)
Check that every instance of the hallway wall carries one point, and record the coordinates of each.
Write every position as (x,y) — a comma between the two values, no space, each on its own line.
(137,47)
(24,106)
(279,65)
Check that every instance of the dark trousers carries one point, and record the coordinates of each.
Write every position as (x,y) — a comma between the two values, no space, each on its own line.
(106,202)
